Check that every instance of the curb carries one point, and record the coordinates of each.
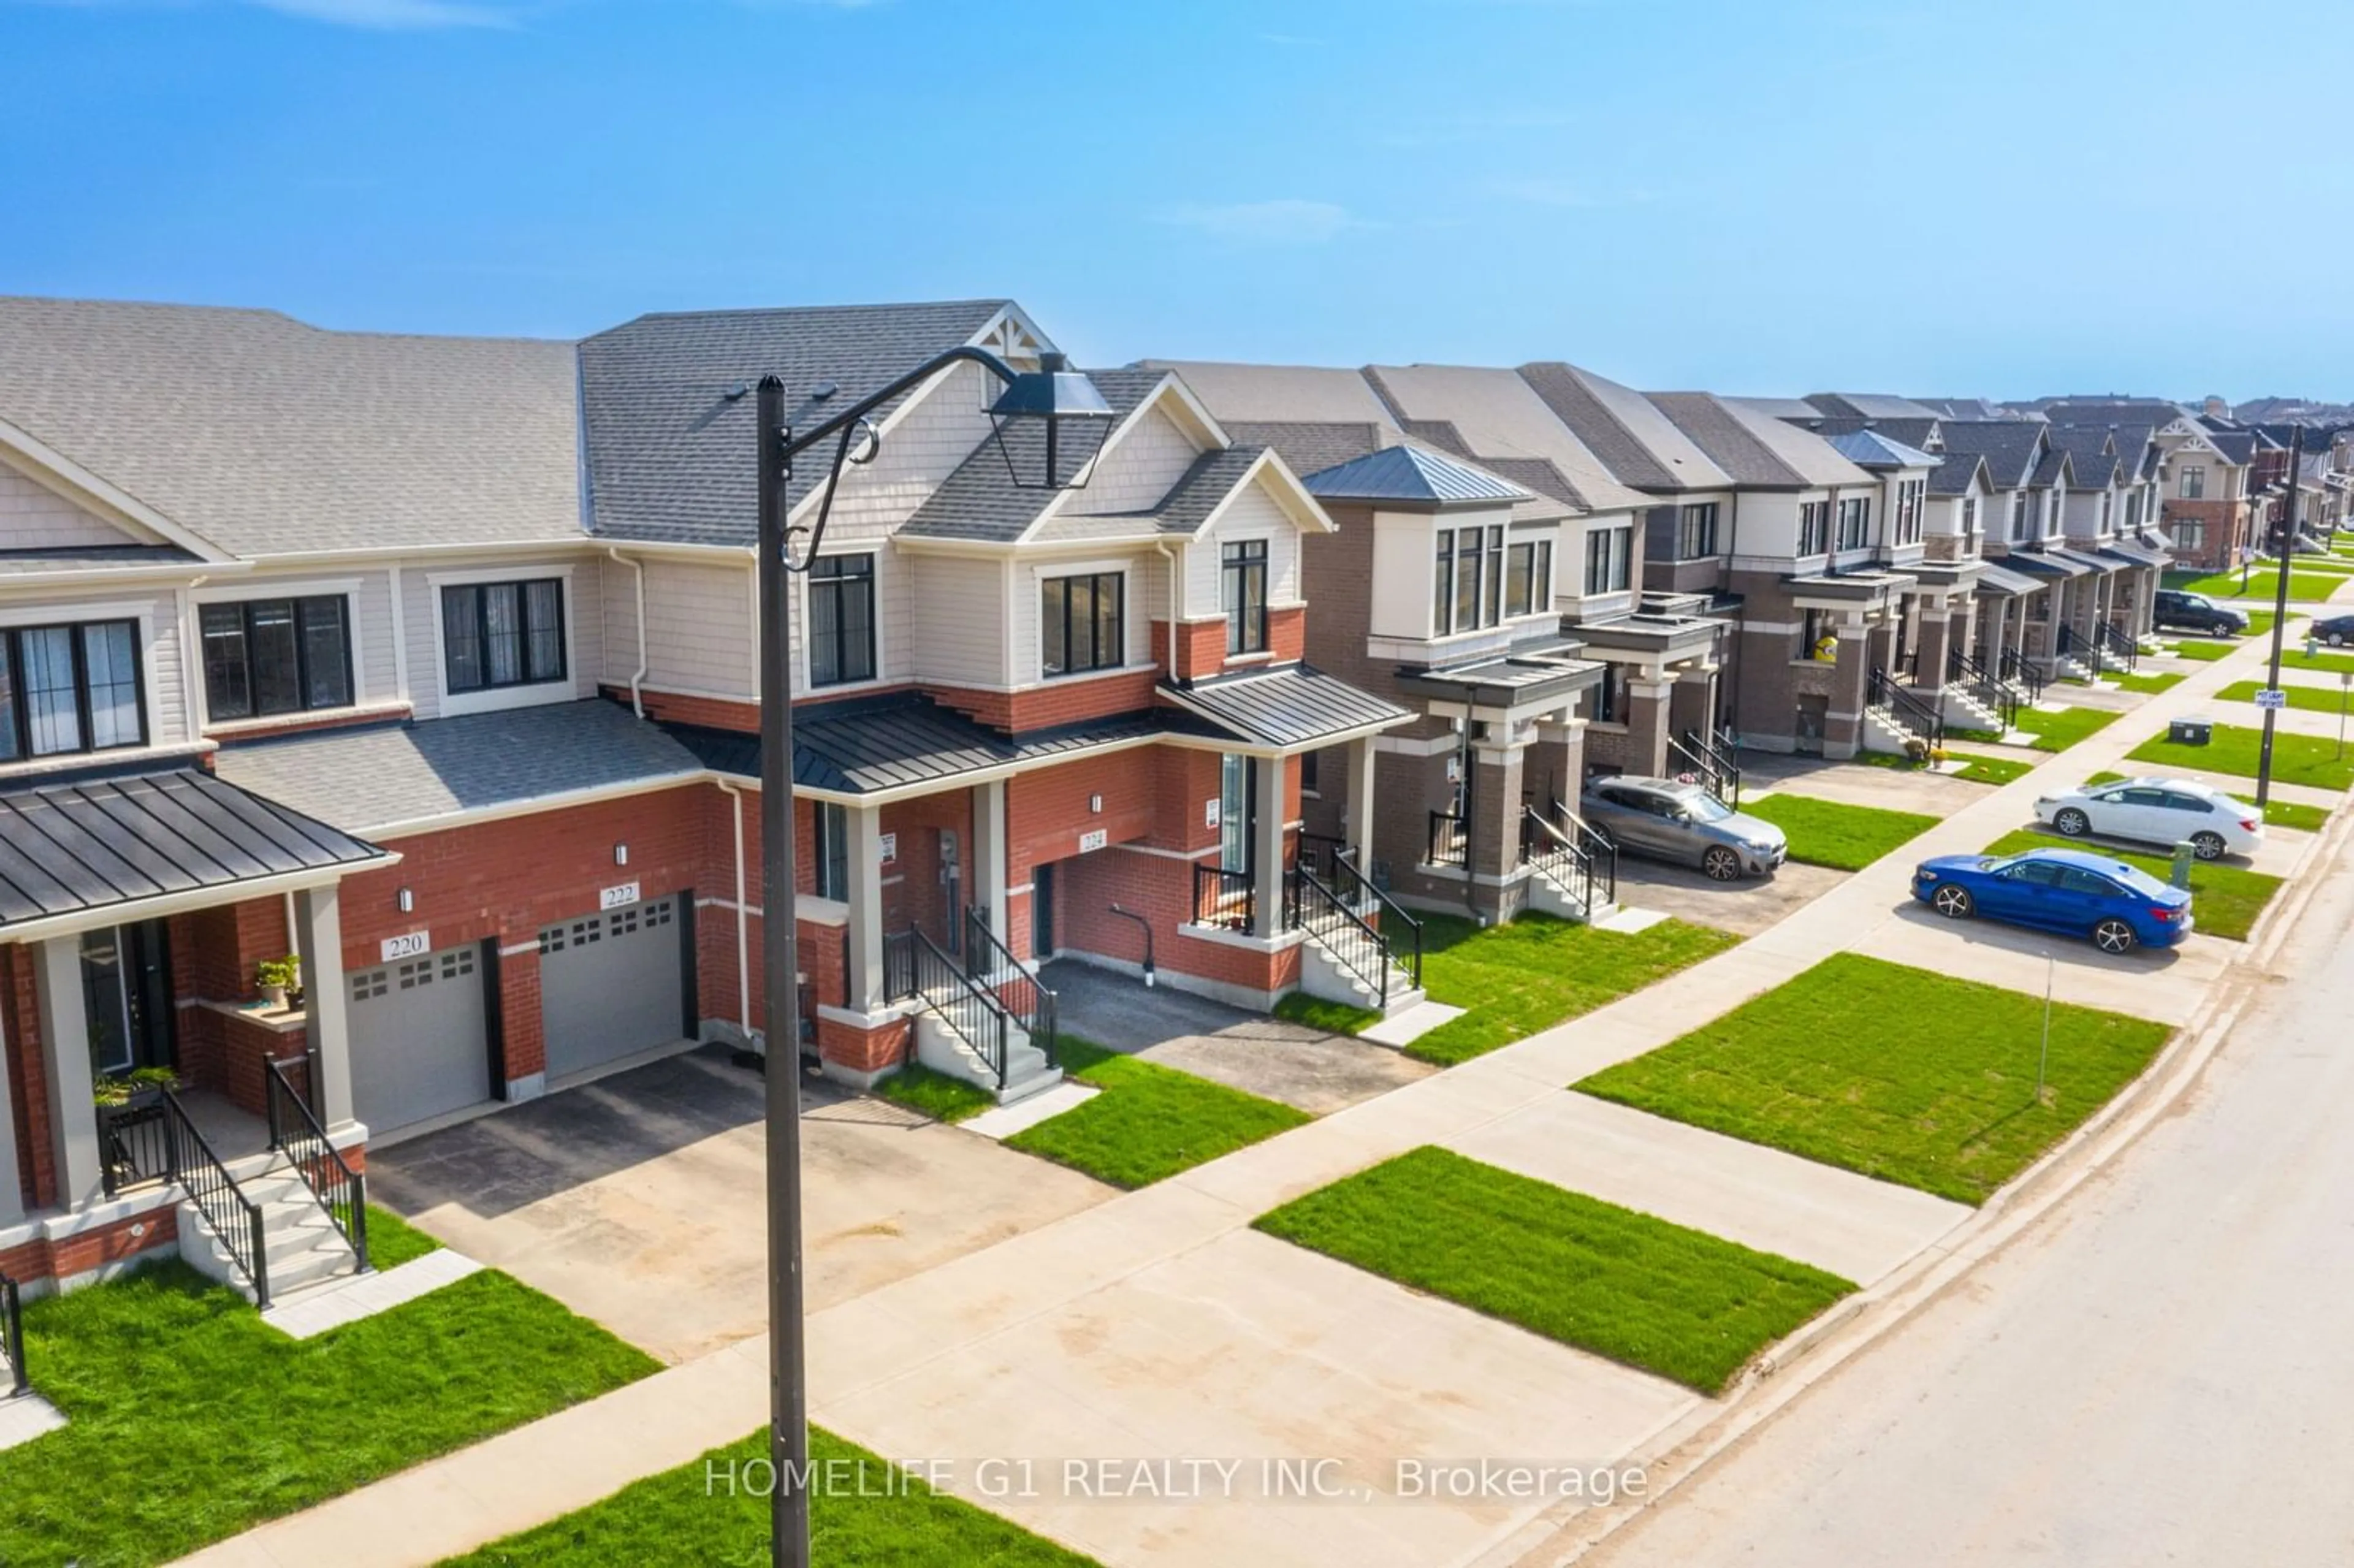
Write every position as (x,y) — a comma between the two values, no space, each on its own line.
(1685,1446)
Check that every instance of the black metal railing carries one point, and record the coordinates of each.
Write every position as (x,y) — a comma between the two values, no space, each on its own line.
(1400,932)
(1973,676)
(1224,898)
(235,1219)
(1339,931)
(1597,847)
(1905,707)
(1320,852)
(914,966)
(294,1132)
(134,1143)
(1450,840)
(2117,644)
(2020,669)
(1710,761)
(12,1336)
(1013,984)
(1555,854)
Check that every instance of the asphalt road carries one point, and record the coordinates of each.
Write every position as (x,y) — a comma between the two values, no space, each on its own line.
(2162,1372)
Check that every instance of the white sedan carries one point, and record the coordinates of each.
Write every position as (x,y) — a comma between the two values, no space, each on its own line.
(2158,811)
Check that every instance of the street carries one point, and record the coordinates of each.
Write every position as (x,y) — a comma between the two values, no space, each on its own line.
(2156,1373)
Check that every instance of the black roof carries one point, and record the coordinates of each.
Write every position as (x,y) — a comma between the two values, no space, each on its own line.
(1289,707)
(2009,446)
(69,847)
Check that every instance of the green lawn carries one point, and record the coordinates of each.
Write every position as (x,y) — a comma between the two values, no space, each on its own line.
(1990,770)
(2159,681)
(2277,813)
(393,1240)
(1898,1073)
(2305,699)
(2226,899)
(2263,584)
(1517,978)
(2061,728)
(2294,657)
(682,1518)
(1843,837)
(2205,651)
(2296,758)
(1678,1302)
(1332,1017)
(189,1421)
(935,1095)
(1150,1122)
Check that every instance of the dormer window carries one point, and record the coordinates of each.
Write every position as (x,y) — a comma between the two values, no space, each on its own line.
(497,635)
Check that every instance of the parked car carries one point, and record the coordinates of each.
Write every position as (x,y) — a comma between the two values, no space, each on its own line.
(2197,612)
(1672,820)
(2337,630)
(2157,811)
(2072,891)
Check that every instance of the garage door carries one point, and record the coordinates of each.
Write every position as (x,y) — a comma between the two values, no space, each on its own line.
(419,1039)
(611,984)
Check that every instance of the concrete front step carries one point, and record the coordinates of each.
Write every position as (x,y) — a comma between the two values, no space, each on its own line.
(1963,710)
(1323,976)
(1882,733)
(1027,1072)
(300,1244)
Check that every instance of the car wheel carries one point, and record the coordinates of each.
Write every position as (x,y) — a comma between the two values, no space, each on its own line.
(2207,846)
(2113,935)
(1954,903)
(2073,822)
(2335,639)
(1721,864)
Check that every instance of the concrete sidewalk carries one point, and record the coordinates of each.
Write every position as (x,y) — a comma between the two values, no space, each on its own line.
(1157,1325)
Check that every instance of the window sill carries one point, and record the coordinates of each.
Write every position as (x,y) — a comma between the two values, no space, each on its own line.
(1264,656)
(501,698)
(231,729)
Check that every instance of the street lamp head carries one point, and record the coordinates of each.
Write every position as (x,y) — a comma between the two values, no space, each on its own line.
(1050,423)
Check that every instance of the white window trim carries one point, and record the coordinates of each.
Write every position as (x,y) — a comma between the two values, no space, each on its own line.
(246,591)
(140,613)
(1130,581)
(452,705)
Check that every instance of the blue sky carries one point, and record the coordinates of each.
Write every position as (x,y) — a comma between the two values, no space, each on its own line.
(2001,198)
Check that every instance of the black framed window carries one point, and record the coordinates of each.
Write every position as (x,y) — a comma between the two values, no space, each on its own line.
(1814,527)
(841,619)
(67,689)
(496,635)
(831,863)
(1909,493)
(2194,482)
(1608,559)
(1243,566)
(1854,522)
(1442,585)
(1082,625)
(276,656)
(1696,531)
(1610,695)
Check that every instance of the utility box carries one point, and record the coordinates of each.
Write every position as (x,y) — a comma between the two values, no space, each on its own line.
(2190,731)
(2184,855)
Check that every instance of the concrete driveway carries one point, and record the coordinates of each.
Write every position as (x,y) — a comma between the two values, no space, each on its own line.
(1744,907)
(1307,1068)
(638,1200)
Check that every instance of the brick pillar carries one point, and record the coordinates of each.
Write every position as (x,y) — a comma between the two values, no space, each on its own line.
(523,1046)
(1647,727)
(1554,768)
(1936,638)
(1850,678)
(1882,641)
(1691,704)
(1495,829)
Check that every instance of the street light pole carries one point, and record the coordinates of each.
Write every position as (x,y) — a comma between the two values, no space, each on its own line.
(2280,613)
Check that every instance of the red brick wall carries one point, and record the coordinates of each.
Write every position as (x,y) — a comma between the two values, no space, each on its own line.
(1054,703)
(159,1229)
(1287,634)
(712,712)
(1201,648)
(1160,888)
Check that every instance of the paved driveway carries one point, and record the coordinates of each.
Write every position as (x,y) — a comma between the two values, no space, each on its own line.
(636,1200)
(1744,907)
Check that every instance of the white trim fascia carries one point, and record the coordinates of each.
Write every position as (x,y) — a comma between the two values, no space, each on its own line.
(195,898)
(178,573)
(127,507)
(245,588)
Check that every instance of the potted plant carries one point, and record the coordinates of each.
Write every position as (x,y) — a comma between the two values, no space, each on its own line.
(140,1087)
(278,978)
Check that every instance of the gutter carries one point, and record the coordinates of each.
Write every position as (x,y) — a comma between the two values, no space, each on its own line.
(1160,548)
(637,676)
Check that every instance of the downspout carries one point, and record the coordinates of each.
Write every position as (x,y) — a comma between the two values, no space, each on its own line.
(191,660)
(1170,555)
(743,917)
(638,676)
(1740,649)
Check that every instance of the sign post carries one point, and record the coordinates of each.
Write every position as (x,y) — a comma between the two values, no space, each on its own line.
(2345,684)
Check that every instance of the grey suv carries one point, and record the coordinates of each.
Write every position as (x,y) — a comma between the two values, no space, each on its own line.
(1669,821)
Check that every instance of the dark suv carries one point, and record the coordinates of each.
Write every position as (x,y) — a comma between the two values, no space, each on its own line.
(2197,612)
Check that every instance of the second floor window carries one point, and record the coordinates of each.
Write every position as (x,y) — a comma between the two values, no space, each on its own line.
(2019,515)
(276,656)
(1243,591)
(1609,559)
(841,619)
(1854,522)
(1908,510)
(1814,527)
(496,635)
(1696,531)
(1080,624)
(1970,515)
(2132,510)
(2194,482)
(2107,498)
(1527,577)
(66,689)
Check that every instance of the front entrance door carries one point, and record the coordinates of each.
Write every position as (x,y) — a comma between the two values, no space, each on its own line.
(1042,912)
(126,984)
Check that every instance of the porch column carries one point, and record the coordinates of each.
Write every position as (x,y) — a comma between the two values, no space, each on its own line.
(1937,637)
(1691,702)
(1556,768)
(65,1049)
(1646,725)
(1496,802)
(11,1192)
(1881,637)
(863,979)
(1843,720)
(1268,831)
(318,943)
(988,855)
(1357,824)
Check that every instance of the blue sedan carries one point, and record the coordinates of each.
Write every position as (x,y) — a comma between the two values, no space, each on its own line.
(2074,891)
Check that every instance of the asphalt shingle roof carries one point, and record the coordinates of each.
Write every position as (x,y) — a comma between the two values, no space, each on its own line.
(267,435)
(2012,447)
(1640,445)
(1958,474)
(1754,448)
(669,453)
(368,780)
(1870,405)
(1309,447)
(2090,452)
(979,500)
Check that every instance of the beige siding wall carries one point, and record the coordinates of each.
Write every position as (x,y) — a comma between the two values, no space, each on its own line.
(960,637)
(1029,603)
(932,437)
(698,627)
(35,517)
(1151,456)
(1253,515)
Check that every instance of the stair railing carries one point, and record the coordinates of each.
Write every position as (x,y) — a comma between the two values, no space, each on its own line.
(1902,705)
(1599,847)
(2117,644)
(337,1189)
(12,1336)
(1339,931)
(235,1218)
(2020,669)
(1014,984)
(1711,762)
(1556,856)
(1450,840)
(1983,683)
(1225,898)
(1400,932)
(915,967)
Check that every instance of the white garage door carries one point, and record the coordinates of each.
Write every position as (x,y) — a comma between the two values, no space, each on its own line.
(611,984)
(419,1039)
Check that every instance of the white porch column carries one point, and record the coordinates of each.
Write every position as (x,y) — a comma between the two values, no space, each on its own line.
(989,856)
(64,1050)
(1357,827)
(1268,831)
(318,943)
(11,1192)
(864,981)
